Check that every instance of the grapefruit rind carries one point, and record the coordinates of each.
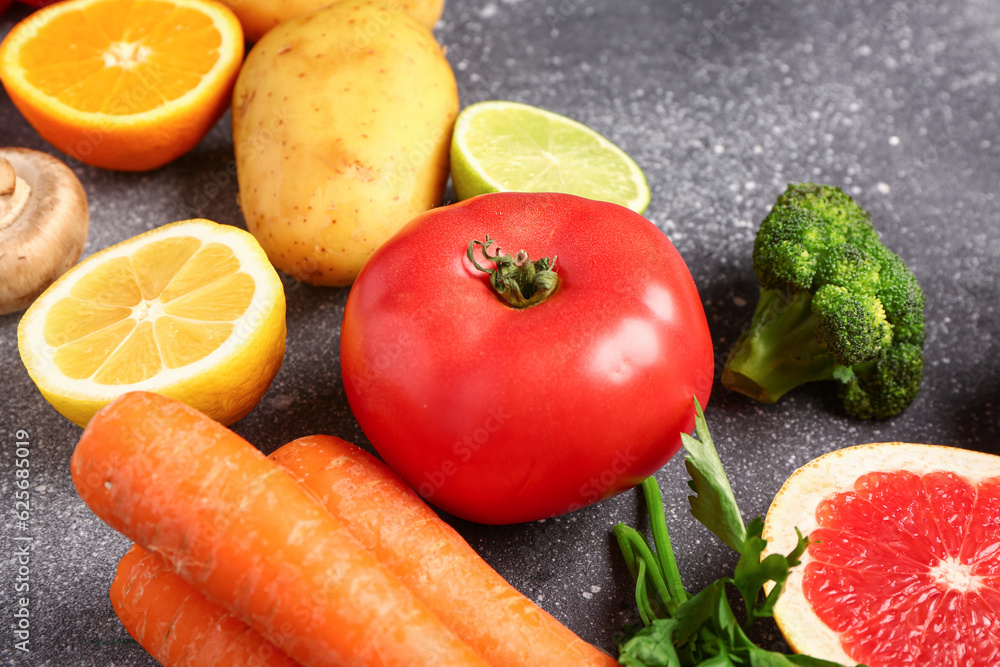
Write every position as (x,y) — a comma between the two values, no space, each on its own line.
(795,506)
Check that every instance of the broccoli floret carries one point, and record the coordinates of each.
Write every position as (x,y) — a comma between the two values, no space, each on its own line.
(835,304)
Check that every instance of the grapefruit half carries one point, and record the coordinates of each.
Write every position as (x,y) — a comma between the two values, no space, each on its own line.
(903,567)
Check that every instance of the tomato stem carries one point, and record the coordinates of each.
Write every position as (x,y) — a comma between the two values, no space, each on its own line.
(516,279)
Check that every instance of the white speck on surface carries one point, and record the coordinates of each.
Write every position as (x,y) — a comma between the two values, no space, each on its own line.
(893,140)
(882,188)
(488,11)
(281,402)
(739,301)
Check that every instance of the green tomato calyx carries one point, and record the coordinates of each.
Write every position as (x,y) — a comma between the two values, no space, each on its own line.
(518,280)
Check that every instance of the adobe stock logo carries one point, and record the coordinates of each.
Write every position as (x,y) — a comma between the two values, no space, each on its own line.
(464,450)
(598,486)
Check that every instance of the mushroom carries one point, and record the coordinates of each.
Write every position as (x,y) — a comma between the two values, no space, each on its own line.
(43,224)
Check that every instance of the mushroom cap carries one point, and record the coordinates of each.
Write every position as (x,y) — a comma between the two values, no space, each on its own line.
(42,236)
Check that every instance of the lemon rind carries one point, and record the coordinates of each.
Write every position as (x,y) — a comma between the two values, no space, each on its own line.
(268,297)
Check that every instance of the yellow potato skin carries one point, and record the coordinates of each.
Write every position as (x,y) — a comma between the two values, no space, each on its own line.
(259,16)
(342,121)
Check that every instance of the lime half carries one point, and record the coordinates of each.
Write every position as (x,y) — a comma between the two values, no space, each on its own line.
(510,147)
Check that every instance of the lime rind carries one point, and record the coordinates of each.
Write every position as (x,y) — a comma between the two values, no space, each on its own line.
(501,146)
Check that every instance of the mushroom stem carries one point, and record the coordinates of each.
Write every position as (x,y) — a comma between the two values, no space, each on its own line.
(14,193)
(43,224)
(8,179)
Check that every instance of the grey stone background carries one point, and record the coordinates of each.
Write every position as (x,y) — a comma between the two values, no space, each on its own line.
(722,104)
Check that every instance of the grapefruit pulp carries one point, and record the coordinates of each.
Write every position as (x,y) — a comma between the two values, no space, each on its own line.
(903,567)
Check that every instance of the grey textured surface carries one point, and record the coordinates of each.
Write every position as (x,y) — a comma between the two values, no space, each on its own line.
(722,104)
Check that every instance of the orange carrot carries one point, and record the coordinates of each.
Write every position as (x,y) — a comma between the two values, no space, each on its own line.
(241,530)
(431,558)
(177,625)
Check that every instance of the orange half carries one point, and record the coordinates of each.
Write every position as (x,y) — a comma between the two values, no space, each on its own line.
(123,84)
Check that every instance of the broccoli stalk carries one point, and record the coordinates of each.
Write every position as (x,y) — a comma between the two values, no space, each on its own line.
(835,304)
(779,351)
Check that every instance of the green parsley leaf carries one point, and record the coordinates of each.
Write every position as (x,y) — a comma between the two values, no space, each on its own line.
(752,573)
(714,505)
(653,646)
(702,630)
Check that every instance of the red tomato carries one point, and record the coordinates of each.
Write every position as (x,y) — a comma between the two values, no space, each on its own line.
(500,415)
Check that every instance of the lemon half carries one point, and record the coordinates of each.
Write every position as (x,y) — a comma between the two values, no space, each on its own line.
(192,310)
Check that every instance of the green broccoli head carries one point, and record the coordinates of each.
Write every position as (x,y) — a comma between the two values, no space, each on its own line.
(902,298)
(885,387)
(835,304)
(851,326)
(806,223)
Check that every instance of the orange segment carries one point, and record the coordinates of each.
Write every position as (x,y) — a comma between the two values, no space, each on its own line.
(57,78)
(131,93)
(123,84)
(84,45)
(143,20)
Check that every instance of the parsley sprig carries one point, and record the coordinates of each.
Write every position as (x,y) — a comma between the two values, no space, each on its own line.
(683,630)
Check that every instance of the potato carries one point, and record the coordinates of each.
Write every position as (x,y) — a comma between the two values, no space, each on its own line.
(342,121)
(259,16)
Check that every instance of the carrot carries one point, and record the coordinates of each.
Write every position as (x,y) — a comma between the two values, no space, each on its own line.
(177,625)
(431,558)
(241,530)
